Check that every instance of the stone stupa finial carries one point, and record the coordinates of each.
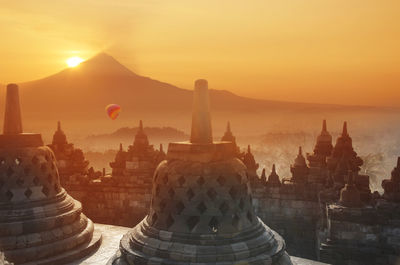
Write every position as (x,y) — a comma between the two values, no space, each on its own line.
(12,117)
(58,126)
(141,125)
(228,127)
(201,118)
(324,129)
(344,132)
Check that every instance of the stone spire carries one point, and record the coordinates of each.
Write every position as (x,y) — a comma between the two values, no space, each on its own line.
(344,131)
(273,179)
(349,195)
(194,207)
(263,176)
(141,126)
(250,163)
(141,142)
(201,118)
(59,137)
(300,161)
(299,169)
(344,148)
(120,147)
(323,147)
(228,136)
(12,117)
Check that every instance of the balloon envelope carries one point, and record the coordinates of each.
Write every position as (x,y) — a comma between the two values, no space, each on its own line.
(113,111)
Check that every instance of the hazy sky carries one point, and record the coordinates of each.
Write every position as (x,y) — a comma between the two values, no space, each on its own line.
(337,51)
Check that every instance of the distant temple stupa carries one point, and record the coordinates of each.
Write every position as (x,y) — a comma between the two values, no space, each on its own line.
(201,210)
(39,222)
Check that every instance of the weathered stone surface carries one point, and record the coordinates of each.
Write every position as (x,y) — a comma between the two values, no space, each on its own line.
(38,220)
(202,204)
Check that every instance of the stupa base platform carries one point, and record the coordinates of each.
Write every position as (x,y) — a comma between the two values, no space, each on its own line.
(112,235)
(81,251)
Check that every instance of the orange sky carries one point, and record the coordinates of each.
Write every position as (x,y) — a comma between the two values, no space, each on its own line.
(336,51)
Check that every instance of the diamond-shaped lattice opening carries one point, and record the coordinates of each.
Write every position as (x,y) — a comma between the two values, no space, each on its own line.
(154,218)
(179,207)
(241,204)
(221,180)
(47,157)
(249,216)
(10,172)
(49,178)
(35,160)
(212,194)
(224,208)
(169,221)
(201,207)
(46,191)
(213,224)
(20,181)
(171,192)
(9,195)
(201,181)
(43,168)
(165,178)
(28,193)
(27,169)
(181,180)
(233,192)
(162,205)
(158,190)
(190,194)
(238,178)
(18,161)
(36,180)
(236,221)
(192,221)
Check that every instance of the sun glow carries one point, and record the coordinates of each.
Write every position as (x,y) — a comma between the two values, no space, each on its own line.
(74,61)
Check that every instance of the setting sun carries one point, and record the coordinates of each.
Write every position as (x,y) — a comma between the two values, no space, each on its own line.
(74,61)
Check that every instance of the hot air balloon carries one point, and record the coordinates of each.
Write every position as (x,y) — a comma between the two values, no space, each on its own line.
(113,111)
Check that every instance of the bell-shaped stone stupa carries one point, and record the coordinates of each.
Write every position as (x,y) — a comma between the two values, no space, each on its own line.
(39,222)
(201,210)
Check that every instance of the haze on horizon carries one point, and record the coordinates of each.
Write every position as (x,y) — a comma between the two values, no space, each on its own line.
(343,52)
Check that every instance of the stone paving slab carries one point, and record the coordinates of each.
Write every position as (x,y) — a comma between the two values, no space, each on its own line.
(112,235)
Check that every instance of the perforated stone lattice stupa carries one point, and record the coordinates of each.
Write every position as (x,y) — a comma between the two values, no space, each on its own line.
(201,210)
(39,221)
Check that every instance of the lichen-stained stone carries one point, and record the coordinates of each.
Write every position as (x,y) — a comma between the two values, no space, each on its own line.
(39,222)
(201,210)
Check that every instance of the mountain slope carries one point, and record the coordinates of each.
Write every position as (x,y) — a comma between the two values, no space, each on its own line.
(80,95)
